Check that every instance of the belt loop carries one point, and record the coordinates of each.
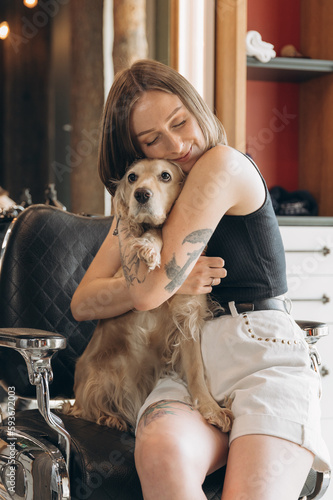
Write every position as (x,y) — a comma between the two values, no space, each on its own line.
(233,310)
(288,304)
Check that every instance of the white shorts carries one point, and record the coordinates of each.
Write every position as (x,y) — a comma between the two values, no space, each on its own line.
(260,360)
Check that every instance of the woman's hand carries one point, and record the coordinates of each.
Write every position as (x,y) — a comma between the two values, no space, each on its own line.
(207,272)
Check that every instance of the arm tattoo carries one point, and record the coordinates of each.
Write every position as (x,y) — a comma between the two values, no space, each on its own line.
(199,236)
(129,259)
(176,273)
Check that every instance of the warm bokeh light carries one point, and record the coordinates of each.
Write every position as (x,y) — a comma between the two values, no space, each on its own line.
(30,3)
(4,30)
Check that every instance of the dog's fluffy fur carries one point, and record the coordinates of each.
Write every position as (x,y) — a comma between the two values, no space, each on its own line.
(127,354)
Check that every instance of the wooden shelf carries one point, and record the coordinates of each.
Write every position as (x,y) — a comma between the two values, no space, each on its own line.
(286,69)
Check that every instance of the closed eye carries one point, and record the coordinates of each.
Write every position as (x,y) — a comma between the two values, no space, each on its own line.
(179,124)
(152,142)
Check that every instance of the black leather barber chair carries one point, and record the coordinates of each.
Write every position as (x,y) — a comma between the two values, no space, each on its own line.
(45,455)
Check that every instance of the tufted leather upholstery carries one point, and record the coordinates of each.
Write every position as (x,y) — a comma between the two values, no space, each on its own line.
(46,257)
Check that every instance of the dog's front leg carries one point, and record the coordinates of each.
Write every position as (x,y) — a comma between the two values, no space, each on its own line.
(148,248)
(195,376)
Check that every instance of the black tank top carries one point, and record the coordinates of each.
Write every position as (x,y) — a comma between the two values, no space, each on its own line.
(252,248)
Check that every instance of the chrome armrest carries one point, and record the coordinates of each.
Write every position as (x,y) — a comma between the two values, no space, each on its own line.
(37,348)
(322,483)
(313,330)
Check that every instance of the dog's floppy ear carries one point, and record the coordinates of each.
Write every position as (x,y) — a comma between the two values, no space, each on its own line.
(119,201)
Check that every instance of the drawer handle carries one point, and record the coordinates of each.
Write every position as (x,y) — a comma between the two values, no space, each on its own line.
(325,251)
(324,300)
(324,371)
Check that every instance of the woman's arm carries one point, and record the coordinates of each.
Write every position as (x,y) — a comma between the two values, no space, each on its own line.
(222,181)
(102,295)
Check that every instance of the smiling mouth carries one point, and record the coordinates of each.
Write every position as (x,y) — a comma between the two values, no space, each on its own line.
(185,157)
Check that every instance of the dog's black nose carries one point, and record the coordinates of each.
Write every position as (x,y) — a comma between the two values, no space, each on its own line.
(142,195)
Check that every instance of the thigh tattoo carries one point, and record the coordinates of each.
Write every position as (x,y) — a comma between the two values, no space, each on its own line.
(162,408)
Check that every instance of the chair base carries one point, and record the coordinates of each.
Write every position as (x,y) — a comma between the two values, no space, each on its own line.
(31,467)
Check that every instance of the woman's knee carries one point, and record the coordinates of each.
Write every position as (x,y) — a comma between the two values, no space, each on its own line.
(179,443)
(161,453)
(166,468)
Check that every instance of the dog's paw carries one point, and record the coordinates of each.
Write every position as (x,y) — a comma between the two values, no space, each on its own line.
(148,253)
(67,408)
(215,415)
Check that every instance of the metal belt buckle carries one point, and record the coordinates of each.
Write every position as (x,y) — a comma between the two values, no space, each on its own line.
(245,307)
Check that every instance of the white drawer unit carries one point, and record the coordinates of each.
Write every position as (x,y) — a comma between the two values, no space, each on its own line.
(309,250)
(308,243)
(309,258)
(312,297)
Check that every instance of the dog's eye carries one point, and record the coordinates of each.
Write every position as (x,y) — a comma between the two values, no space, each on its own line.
(165,176)
(132,177)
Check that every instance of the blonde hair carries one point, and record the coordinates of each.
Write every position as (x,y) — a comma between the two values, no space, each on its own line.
(117,150)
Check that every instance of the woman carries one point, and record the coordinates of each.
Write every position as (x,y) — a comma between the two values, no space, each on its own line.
(255,355)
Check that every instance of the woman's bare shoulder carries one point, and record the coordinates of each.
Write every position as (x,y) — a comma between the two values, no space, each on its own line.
(223,156)
(234,175)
